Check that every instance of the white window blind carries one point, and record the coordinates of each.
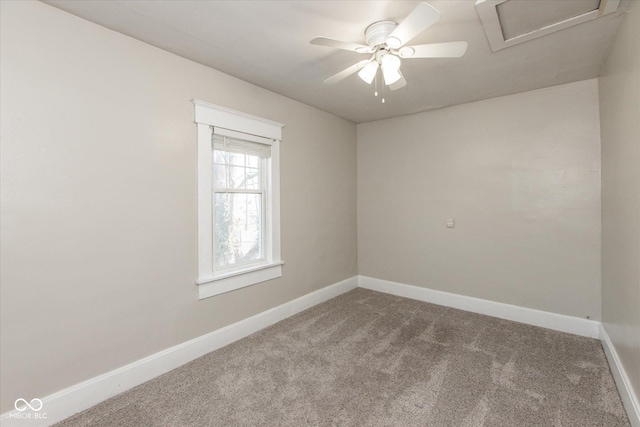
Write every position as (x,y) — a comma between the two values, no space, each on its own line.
(239,142)
(241,146)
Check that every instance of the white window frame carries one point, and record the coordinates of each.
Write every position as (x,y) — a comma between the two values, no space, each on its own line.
(207,118)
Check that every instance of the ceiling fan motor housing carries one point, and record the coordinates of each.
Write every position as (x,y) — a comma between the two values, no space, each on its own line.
(378,32)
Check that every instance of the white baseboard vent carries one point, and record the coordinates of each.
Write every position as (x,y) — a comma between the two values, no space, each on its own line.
(63,404)
(544,319)
(629,398)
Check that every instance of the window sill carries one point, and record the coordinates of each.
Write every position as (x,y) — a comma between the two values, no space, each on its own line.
(226,282)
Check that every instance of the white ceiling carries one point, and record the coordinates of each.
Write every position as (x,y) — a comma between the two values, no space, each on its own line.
(267,43)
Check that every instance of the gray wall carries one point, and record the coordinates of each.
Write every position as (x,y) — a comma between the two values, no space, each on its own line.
(521,176)
(620,123)
(99,200)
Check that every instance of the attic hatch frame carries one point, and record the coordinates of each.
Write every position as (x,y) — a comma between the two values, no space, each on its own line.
(488,11)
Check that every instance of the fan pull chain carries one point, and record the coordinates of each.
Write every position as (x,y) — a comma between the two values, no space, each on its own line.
(375,90)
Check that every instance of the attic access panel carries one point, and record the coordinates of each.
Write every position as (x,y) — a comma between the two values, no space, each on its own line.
(510,22)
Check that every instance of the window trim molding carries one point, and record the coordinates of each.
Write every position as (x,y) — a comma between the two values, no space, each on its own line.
(217,116)
(209,116)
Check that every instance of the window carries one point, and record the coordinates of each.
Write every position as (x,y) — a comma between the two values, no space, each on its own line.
(238,202)
(238,199)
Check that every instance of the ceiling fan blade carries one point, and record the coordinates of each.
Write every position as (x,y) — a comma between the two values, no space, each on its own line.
(399,84)
(354,47)
(346,72)
(434,50)
(420,18)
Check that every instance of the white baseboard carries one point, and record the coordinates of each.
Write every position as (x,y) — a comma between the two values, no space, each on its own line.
(79,397)
(629,398)
(64,403)
(558,322)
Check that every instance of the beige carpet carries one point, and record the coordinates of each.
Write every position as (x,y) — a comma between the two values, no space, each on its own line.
(370,359)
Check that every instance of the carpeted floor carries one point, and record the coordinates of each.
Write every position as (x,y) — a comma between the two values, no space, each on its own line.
(371,359)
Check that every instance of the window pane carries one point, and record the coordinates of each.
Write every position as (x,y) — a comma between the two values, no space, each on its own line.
(252,179)
(219,176)
(238,229)
(237,159)
(236,177)
(219,156)
(236,171)
(253,161)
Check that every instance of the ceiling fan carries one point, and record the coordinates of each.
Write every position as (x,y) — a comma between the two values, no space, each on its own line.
(386,42)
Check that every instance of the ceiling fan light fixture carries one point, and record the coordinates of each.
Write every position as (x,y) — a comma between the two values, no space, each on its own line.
(368,72)
(390,76)
(390,67)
